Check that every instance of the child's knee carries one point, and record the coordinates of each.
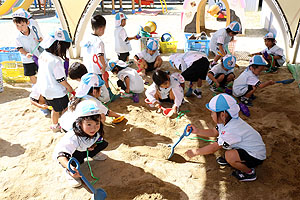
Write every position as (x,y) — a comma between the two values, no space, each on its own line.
(232,156)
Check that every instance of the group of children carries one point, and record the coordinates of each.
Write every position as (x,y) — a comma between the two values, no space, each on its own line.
(83,117)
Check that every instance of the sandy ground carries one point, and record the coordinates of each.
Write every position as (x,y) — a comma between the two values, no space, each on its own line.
(137,167)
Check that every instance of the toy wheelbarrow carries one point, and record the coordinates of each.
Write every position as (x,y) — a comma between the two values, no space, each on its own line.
(99,194)
(181,137)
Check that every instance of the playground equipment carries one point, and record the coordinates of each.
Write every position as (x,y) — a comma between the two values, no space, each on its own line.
(121,8)
(10,6)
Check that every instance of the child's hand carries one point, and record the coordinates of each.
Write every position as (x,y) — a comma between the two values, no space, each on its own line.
(217,84)
(41,39)
(44,106)
(28,55)
(127,90)
(194,129)
(191,153)
(91,148)
(272,82)
(76,174)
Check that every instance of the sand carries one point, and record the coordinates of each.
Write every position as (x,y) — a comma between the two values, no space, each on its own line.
(137,167)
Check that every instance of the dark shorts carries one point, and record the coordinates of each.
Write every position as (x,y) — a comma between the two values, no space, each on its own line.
(30,69)
(150,67)
(123,56)
(166,100)
(248,160)
(58,104)
(223,83)
(198,70)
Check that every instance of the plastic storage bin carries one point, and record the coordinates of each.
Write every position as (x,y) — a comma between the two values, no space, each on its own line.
(196,45)
(13,71)
(9,53)
(168,47)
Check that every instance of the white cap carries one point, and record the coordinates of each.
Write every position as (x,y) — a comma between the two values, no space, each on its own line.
(119,17)
(235,26)
(113,63)
(258,60)
(152,44)
(87,108)
(270,35)
(88,81)
(224,102)
(21,13)
(229,61)
(58,34)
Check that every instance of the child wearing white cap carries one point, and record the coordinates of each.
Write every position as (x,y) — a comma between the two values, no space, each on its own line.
(221,38)
(129,79)
(85,138)
(166,88)
(122,41)
(52,79)
(248,81)
(273,54)
(222,73)
(149,59)
(27,43)
(193,66)
(244,146)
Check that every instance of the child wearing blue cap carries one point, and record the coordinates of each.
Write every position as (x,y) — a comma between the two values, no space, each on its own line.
(52,79)
(244,146)
(273,54)
(85,139)
(221,38)
(222,73)
(149,59)
(122,41)
(248,81)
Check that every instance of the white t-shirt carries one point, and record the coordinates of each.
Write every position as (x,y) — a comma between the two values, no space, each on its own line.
(147,57)
(175,80)
(68,118)
(237,134)
(121,45)
(218,69)
(90,46)
(35,92)
(276,51)
(240,84)
(28,43)
(33,22)
(186,60)
(70,142)
(219,37)
(136,83)
(51,70)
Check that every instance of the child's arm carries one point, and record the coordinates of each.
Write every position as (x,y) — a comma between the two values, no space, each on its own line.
(102,63)
(22,51)
(211,76)
(127,82)
(257,53)
(208,149)
(265,84)
(35,103)
(68,87)
(131,38)
(203,132)
(221,49)
(64,162)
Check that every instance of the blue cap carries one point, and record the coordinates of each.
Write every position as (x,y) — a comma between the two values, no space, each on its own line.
(87,108)
(229,61)
(152,44)
(235,26)
(270,35)
(88,81)
(258,60)
(112,64)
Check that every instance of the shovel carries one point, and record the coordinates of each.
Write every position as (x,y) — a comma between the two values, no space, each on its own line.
(288,81)
(99,194)
(181,137)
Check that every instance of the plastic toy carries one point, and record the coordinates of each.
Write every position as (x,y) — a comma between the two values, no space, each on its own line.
(166,37)
(288,81)
(105,76)
(150,27)
(245,110)
(118,120)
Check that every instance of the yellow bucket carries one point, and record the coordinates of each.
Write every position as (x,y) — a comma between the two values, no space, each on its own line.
(214,10)
(150,27)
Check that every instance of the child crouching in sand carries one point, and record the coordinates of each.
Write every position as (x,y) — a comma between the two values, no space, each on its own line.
(244,146)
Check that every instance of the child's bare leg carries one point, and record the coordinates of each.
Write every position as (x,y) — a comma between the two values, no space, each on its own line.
(113,114)
(217,57)
(250,93)
(199,83)
(221,78)
(158,62)
(32,79)
(54,117)
(171,95)
(230,78)
(233,158)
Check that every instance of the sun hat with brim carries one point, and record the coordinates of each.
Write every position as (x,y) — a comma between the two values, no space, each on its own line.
(234,26)
(224,102)
(270,35)
(87,108)
(229,61)
(88,81)
(59,34)
(21,13)
(152,44)
(119,17)
(258,60)
(112,64)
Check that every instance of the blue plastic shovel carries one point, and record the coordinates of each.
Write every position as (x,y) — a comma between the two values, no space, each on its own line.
(181,137)
(288,81)
(99,194)
(36,32)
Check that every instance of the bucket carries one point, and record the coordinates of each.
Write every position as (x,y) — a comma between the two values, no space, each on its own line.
(166,37)
(150,27)
(214,10)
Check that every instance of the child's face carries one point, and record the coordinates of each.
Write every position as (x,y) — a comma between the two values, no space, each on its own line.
(96,93)
(100,31)
(151,52)
(90,127)
(268,43)
(214,116)
(165,84)
(257,70)
(123,22)
(22,27)
(232,34)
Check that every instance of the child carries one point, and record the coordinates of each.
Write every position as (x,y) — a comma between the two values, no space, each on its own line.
(194,66)
(122,41)
(89,89)
(149,59)
(221,74)
(93,50)
(273,53)
(221,38)
(86,135)
(244,146)
(27,43)
(38,100)
(247,83)
(129,79)
(166,88)
(77,70)
(52,80)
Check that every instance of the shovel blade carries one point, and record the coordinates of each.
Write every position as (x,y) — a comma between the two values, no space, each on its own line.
(100,194)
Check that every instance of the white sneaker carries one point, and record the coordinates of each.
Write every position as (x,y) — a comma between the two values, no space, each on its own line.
(73,182)
(198,94)
(100,157)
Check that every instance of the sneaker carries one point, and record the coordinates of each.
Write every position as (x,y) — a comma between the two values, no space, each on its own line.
(189,92)
(252,97)
(55,128)
(222,161)
(242,176)
(246,101)
(126,95)
(73,182)
(100,157)
(197,93)
(213,88)
(135,98)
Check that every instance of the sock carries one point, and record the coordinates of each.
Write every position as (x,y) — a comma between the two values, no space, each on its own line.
(250,172)
(198,89)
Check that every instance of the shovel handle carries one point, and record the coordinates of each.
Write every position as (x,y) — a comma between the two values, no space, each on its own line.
(77,165)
